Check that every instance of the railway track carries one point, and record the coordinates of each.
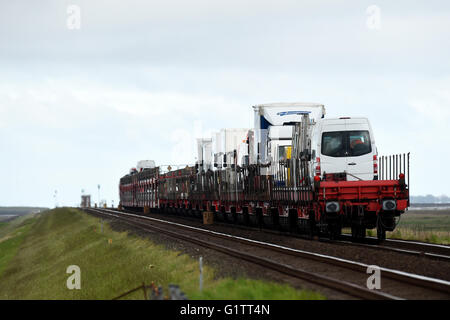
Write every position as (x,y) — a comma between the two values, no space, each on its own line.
(426,248)
(412,248)
(398,281)
(421,249)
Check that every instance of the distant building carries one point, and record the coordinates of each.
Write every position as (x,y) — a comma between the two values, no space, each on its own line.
(86,201)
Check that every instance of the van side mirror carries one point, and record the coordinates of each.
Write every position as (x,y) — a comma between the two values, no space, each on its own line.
(313,155)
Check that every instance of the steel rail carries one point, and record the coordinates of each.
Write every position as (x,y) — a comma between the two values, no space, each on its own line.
(414,279)
(422,249)
(371,244)
(411,243)
(339,285)
(417,253)
(431,249)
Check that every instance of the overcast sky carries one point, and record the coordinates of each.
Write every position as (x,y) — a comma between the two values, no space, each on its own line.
(142,79)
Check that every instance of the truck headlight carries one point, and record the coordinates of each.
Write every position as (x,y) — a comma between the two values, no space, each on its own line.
(389,205)
(332,206)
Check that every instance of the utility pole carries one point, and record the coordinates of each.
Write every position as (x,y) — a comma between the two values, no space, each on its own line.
(55,196)
(98,186)
(200,263)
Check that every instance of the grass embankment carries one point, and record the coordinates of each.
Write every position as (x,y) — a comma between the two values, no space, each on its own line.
(11,236)
(41,249)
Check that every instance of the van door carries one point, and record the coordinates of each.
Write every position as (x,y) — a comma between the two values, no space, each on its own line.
(359,155)
(347,147)
(333,156)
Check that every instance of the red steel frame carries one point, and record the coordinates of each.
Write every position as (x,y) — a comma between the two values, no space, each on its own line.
(365,194)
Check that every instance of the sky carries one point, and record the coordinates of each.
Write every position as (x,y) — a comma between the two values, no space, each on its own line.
(88,88)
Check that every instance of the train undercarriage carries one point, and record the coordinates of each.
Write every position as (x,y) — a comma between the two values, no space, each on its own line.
(309,221)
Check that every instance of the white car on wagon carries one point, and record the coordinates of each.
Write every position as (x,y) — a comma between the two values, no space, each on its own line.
(344,145)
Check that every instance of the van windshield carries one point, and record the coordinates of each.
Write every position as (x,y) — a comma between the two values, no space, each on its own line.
(346,143)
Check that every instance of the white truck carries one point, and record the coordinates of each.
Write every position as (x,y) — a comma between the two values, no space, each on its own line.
(204,152)
(339,145)
(273,124)
(145,164)
(226,148)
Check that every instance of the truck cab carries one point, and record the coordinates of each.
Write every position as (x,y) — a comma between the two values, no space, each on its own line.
(279,143)
(273,129)
(344,146)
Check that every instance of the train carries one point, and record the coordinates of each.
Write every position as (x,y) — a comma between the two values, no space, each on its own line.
(295,170)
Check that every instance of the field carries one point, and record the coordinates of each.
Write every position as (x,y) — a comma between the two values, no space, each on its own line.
(36,250)
(20,210)
(423,225)
(10,213)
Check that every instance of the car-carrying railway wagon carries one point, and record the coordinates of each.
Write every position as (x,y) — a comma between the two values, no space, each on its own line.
(295,170)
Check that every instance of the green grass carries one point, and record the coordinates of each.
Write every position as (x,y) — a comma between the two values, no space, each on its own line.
(12,234)
(9,243)
(436,237)
(431,226)
(429,220)
(254,289)
(424,225)
(51,241)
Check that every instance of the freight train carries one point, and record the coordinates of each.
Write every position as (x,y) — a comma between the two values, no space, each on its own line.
(295,170)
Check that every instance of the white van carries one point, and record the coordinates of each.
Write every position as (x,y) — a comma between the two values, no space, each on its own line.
(344,145)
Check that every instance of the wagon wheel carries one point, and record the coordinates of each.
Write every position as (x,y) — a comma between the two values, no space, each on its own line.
(381,230)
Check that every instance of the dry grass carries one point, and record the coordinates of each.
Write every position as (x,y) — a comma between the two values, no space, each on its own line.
(424,225)
(405,233)
(431,226)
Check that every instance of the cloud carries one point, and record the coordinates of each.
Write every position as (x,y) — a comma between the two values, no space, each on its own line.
(142,80)
(258,35)
(54,102)
(432,103)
